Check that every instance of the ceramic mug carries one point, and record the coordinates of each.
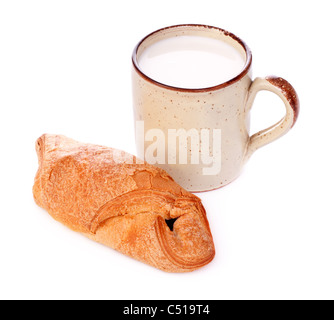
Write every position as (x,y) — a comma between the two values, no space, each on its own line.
(201,136)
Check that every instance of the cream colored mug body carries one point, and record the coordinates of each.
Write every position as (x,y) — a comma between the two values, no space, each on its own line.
(201,136)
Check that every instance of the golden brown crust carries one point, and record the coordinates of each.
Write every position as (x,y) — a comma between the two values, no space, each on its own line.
(122,202)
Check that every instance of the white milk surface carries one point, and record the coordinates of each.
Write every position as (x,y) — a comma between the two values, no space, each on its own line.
(191,62)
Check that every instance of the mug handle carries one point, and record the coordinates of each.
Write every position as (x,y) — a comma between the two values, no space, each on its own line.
(289,96)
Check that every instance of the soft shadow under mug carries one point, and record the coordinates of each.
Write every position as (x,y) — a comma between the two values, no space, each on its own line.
(201,136)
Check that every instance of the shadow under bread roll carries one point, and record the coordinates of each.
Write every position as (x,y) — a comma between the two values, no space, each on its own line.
(122,202)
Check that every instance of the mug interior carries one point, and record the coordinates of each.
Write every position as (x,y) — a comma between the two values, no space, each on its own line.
(193,30)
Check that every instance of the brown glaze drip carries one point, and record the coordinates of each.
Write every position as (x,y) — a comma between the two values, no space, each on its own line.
(289,93)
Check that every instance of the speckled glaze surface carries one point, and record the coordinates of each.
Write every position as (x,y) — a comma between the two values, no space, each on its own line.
(225,107)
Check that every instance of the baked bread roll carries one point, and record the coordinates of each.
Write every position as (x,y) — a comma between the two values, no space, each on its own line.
(126,204)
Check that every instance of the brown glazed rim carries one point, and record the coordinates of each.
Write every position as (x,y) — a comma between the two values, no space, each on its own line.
(216,87)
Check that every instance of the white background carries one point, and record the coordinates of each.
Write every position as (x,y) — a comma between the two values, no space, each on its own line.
(65,69)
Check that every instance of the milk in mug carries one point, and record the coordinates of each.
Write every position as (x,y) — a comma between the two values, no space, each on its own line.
(191,62)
